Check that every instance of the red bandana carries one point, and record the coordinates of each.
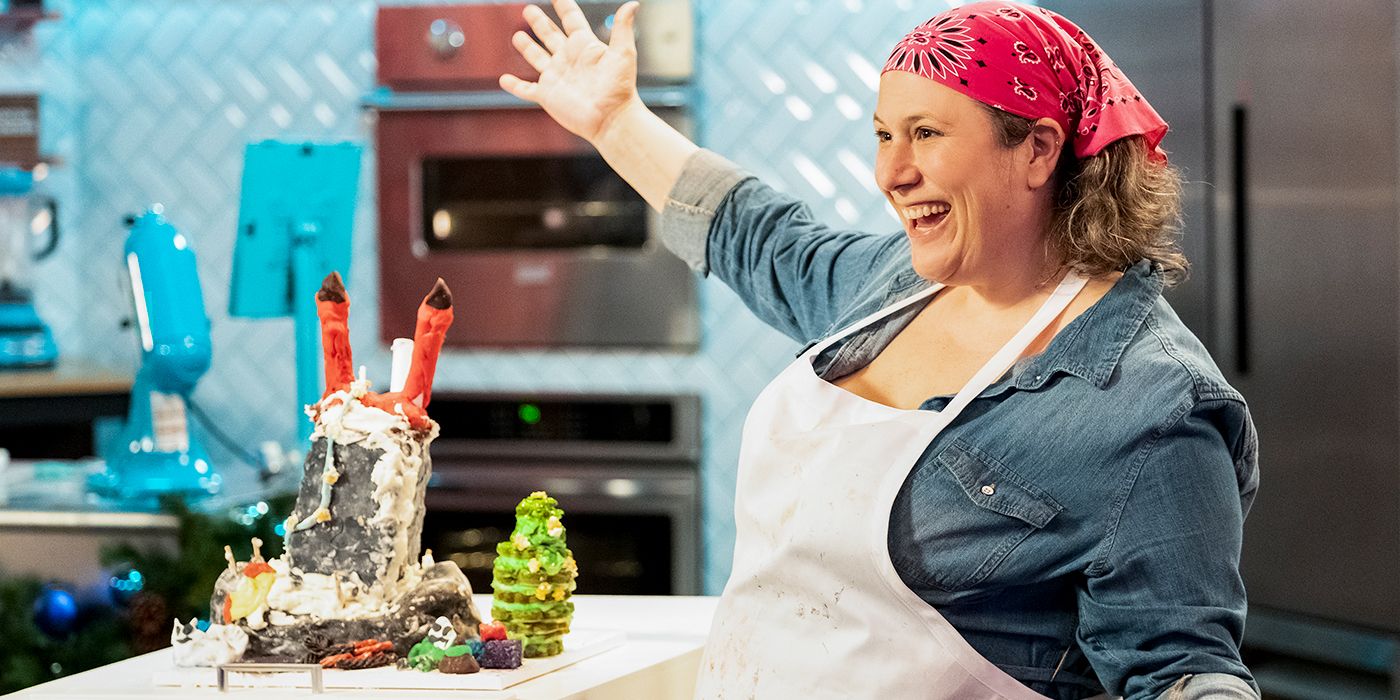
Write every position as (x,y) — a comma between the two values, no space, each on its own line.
(1033,63)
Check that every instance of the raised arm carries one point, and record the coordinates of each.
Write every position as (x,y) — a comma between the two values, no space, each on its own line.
(793,271)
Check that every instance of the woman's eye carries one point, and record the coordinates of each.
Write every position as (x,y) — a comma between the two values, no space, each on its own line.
(882,136)
(924,132)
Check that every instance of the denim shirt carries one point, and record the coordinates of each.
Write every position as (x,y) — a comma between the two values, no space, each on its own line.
(1108,557)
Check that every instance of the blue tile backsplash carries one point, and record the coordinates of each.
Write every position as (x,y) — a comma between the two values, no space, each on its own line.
(150,101)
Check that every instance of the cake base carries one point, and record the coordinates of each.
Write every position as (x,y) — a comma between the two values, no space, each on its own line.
(443,591)
(582,644)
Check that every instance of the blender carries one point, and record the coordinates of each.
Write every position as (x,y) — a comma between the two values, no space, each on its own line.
(25,340)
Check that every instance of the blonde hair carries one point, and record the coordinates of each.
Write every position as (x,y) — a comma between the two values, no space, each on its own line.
(1111,209)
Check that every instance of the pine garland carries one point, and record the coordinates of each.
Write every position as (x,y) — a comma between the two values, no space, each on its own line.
(176,585)
(29,657)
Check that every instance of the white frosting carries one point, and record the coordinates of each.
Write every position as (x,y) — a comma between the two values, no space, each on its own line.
(220,644)
(347,421)
(295,593)
(396,475)
(255,619)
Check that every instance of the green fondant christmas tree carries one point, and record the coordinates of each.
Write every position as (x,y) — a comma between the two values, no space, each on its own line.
(533,578)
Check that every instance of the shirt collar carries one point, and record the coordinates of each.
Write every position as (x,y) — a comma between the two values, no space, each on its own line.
(1091,346)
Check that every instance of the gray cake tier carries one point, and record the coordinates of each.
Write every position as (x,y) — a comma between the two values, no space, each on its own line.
(350,542)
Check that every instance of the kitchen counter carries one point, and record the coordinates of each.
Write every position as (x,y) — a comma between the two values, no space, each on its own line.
(54,531)
(659,660)
(50,413)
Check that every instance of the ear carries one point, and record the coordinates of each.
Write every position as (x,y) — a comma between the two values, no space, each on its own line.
(1046,141)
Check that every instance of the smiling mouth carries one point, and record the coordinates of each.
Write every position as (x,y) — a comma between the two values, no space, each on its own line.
(924,218)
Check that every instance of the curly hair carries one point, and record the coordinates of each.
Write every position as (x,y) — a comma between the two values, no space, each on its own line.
(1111,209)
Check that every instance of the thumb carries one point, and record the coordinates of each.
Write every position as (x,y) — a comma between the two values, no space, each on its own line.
(624,27)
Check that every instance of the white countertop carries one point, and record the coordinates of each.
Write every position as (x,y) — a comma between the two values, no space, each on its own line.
(659,660)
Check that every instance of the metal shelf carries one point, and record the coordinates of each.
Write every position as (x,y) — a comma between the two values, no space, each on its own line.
(384,99)
(23,20)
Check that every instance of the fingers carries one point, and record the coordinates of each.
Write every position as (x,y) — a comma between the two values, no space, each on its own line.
(537,57)
(624,26)
(523,89)
(571,17)
(544,28)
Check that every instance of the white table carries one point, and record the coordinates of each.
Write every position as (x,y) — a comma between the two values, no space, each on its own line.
(659,660)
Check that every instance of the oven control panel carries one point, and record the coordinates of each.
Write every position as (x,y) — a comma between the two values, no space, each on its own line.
(467,47)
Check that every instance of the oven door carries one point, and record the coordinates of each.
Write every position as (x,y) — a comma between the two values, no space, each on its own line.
(546,246)
(637,535)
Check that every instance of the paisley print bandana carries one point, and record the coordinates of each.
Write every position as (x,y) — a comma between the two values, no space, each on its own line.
(1033,63)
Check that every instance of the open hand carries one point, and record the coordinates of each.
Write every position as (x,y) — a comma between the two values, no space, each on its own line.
(583,83)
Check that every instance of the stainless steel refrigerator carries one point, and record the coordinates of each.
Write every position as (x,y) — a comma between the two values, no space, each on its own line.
(1283,116)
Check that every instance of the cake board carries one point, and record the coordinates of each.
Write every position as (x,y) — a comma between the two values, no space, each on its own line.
(579,645)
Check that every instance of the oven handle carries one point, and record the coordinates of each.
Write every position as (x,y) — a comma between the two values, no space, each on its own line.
(558,483)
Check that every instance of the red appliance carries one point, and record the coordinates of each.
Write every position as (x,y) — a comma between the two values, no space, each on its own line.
(545,245)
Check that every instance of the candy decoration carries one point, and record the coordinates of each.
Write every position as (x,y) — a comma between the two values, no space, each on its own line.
(425,656)
(254,582)
(492,630)
(55,612)
(355,663)
(329,476)
(366,653)
(533,578)
(461,663)
(501,654)
(333,306)
(442,633)
(434,316)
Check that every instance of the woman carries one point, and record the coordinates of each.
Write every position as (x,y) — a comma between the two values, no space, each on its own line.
(1004,468)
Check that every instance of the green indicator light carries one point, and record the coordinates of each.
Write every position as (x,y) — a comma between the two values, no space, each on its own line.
(529,413)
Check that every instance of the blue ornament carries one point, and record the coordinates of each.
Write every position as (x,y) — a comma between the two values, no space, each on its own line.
(55,612)
(122,587)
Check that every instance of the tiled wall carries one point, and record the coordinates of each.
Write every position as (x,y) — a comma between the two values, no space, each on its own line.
(153,101)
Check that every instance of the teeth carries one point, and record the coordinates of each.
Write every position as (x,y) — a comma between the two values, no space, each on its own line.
(922,210)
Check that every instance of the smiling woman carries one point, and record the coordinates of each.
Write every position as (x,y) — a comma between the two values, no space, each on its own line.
(1003,467)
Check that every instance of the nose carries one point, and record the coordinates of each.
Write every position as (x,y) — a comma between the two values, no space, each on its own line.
(894,168)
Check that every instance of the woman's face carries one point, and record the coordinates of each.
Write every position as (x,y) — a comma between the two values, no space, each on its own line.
(963,197)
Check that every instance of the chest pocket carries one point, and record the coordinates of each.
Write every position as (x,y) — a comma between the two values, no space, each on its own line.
(960,515)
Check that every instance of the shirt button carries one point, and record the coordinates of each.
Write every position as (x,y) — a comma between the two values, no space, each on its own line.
(989,489)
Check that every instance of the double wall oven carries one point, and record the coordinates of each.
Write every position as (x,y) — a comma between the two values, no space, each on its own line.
(624,468)
(544,244)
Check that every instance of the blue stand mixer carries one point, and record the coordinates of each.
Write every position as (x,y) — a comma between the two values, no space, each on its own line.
(25,340)
(156,453)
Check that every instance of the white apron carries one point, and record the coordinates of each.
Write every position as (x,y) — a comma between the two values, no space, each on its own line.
(814,607)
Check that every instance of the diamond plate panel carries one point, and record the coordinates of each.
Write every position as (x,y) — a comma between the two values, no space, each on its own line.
(153,101)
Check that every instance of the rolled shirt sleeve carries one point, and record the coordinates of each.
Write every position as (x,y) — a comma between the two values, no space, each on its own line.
(1210,686)
(690,208)
(794,272)
(1162,611)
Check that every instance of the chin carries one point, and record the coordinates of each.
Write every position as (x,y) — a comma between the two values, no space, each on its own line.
(934,266)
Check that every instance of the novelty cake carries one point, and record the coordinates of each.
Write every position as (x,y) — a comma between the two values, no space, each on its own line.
(352,588)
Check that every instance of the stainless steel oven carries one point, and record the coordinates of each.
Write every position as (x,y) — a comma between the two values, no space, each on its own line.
(523,219)
(624,468)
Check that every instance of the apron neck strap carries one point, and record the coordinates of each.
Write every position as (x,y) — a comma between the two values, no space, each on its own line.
(1051,309)
(821,347)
